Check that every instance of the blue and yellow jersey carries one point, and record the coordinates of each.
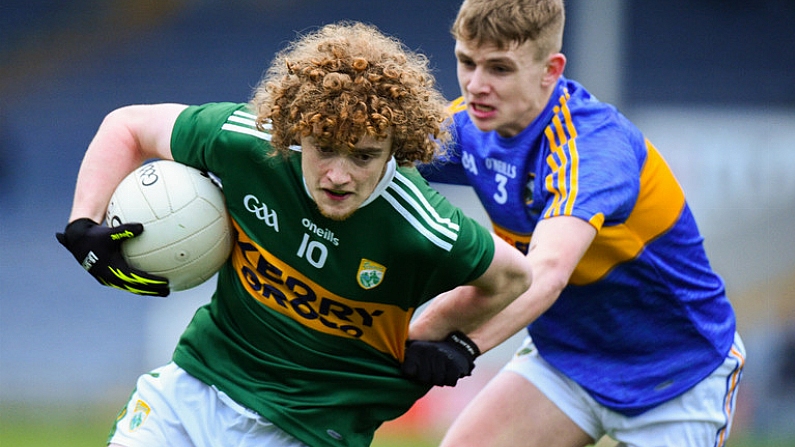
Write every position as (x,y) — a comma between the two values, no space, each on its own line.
(644,317)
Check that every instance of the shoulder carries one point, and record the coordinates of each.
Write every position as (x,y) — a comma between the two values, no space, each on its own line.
(595,129)
(215,111)
(579,112)
(458,110)
(423,211)
(214,134)
(223,117)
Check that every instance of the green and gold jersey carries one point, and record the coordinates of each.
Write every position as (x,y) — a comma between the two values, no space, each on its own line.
(310,316)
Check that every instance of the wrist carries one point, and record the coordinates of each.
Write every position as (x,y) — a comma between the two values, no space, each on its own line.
(460,340)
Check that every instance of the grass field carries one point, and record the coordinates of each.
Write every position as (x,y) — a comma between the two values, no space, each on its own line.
(87,426)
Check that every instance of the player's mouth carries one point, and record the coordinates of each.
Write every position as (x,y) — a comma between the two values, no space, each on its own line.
(482,107)
(337,195)
(481,111)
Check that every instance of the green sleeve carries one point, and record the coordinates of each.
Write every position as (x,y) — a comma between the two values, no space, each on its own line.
(198,132)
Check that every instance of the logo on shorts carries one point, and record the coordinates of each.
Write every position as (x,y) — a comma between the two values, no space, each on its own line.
(527,348)
(524,351)
(370,274)
(139,415)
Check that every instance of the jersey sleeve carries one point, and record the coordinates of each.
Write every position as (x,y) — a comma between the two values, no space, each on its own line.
(471,247)
(199,128)
(475,242)
(593,177)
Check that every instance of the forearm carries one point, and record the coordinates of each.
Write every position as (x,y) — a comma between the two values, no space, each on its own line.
(514,318)
(466,310)
(487,324)
(102,169)
(459,309)
(470,306)
(557,246)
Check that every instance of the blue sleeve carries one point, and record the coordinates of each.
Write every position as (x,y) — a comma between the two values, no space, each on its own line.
(447,168)
(444,171)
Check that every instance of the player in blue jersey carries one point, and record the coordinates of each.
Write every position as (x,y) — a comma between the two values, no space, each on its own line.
(338,240)
(630,332)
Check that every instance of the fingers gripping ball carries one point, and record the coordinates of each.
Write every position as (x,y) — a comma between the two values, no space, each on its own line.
(187,236)
(440,363)
(98,249)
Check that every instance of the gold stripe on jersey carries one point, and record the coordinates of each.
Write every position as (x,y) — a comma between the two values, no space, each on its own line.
(563,184)
(283,289)
(457,105)
(658,207)
(516,240)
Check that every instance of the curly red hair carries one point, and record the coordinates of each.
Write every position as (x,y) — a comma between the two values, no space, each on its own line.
(347,80)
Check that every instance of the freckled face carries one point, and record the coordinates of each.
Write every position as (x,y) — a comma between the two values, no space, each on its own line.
(340,180)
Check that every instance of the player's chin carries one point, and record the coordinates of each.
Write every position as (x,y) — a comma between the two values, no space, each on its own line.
(484,124)
(337,211)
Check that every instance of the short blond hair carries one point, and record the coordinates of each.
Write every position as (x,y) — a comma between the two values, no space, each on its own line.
(348,80)
(507,22)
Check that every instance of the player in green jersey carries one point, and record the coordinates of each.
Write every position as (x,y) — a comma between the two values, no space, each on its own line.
(338,240)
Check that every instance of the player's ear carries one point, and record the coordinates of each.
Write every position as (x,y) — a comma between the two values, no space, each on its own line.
(553,69)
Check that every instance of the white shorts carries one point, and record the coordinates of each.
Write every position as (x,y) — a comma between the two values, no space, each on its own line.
(171,407)
(701,417)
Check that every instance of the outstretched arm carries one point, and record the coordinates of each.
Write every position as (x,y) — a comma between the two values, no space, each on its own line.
(438,351)
(556,248)
(467,307)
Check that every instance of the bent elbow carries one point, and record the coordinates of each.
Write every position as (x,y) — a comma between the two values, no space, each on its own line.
(527,277)
(519,279)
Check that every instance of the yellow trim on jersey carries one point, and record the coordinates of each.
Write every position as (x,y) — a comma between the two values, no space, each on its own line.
(518,241)
(597,221)
(659,205)
(280,287)
(562,137)
(456,105)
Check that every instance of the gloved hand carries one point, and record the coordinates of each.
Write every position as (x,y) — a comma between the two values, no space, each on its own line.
(440,363)
(98,249)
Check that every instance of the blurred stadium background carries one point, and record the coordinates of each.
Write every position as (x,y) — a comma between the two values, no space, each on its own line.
(710,82)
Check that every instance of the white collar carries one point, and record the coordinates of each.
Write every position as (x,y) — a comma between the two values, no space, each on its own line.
(389,174)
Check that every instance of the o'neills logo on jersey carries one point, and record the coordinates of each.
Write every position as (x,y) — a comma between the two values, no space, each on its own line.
(370,274)
(501,167)
(324,233)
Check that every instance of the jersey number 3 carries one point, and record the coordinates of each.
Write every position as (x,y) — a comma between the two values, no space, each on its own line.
(501,196)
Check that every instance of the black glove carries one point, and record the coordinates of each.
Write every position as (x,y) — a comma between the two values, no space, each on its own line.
(98,249)
(440,363)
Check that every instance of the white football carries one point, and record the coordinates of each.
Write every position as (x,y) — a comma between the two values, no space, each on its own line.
(187,236)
